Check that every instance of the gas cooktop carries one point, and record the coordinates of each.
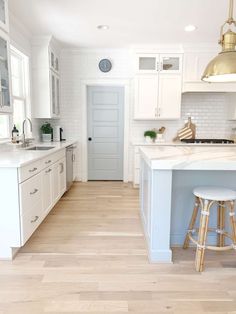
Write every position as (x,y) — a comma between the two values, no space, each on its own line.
(207,141)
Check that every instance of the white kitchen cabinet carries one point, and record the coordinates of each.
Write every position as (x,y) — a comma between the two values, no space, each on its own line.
(58,179)
(62,176)
(158,97)
(27,195)
(47,182)
(146,96)
(46,78)
(5,82)
(4,19)
(169,104)
(149,63)
(195,63)
(158,87)
(30,206)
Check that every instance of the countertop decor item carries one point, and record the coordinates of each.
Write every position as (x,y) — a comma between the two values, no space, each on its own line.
(46,130)
(160,133)
(187,132)
(150,136)
(105,65)
(223,67)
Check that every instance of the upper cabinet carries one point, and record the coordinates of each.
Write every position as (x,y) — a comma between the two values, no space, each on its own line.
(46,78)
(158,87)
(5,82)
(195,62)
(163,63)
(4,20)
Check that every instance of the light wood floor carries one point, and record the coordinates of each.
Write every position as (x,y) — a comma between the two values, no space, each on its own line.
(89,256)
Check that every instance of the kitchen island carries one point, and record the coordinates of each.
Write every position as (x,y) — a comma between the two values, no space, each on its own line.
(167,178)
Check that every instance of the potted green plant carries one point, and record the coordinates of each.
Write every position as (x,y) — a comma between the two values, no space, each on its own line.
(150,136)
(46,130)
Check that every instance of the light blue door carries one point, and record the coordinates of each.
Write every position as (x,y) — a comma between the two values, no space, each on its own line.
(105,133)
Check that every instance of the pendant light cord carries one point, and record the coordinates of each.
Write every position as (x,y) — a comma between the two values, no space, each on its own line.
(231,10)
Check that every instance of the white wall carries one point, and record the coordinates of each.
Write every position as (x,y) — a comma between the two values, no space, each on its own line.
(208,110)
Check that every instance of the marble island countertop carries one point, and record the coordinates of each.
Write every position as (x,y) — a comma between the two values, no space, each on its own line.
(190,158)
(13,157)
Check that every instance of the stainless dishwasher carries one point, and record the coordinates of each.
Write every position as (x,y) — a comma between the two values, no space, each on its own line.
(69,166)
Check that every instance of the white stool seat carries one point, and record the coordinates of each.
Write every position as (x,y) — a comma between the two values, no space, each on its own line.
(214,193)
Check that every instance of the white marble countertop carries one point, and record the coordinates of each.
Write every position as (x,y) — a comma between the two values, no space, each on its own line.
(14,157)
(190,158)
(177,143)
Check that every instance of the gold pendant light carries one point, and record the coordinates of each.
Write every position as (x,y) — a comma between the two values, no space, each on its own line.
(223,67)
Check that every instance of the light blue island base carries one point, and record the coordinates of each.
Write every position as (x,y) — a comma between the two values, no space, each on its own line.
(166,205)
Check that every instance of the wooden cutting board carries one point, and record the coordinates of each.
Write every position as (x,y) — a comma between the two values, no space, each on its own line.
(187,132)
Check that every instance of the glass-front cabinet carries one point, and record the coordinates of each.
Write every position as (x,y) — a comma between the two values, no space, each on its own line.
(163,63)
(5,94)
(4,24)
(55,94)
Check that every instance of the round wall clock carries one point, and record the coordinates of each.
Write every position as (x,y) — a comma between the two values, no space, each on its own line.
(105,65)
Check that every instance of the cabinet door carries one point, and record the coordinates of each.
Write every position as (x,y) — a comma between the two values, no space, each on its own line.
(62,176)
(55,182)
(146,97)
(147,63)
(170,88)
(47,190)
(170,63)
(55,94)
(5,100)
(4,24)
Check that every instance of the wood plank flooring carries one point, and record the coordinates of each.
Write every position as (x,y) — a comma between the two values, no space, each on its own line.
(89,256)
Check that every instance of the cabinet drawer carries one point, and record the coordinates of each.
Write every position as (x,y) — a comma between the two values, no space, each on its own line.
(29,222)
(51,159)
(30,193)
(30,170)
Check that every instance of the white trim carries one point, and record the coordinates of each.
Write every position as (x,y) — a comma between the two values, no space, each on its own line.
(84,151)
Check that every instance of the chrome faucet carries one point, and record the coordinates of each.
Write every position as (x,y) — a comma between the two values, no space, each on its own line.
(24,141)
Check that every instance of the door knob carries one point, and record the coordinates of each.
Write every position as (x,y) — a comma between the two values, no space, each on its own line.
(90,138)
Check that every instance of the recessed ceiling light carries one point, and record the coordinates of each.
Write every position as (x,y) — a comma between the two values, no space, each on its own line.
(190,28)
(103,27)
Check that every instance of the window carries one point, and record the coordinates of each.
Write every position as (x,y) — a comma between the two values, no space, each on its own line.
(20,87)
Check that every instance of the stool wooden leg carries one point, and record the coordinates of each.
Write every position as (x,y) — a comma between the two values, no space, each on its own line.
(199,261)
(221,224)
(232,221)
(192,222)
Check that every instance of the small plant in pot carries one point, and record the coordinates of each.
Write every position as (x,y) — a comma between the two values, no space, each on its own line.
(150,136)
(46,130)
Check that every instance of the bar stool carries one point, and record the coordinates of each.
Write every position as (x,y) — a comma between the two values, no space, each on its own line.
(205,197)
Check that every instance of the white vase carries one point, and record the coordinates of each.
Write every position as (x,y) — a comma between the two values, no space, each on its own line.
(46,137)
(148,140)
(159,137)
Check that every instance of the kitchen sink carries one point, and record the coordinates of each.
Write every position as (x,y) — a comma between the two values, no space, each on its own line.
(40,148)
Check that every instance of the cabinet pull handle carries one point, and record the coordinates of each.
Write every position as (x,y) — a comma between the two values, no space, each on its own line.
(48,162)
(49,170)
(35,219)
(34,192)
(62,167)
(34,169)
(73,157)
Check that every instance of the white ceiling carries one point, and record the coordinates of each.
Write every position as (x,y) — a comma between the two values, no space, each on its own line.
(132,22)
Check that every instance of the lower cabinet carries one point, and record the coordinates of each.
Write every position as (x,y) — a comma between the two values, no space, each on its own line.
(31,206)
(59,179)
(38,194)
(47,190)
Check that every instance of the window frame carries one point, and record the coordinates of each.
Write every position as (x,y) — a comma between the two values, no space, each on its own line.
(24,60)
